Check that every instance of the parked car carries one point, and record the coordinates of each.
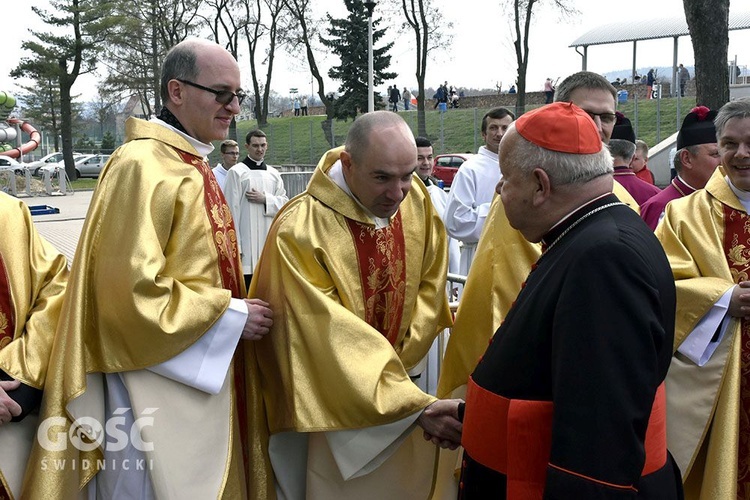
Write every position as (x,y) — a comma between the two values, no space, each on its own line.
(50,159)
(90,165)
(447,165)
(85,166)
(8,163)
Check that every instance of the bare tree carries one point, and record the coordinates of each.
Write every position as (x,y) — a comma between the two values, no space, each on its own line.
(304,34)
(522,16)
(143,33)
(255,32)
(430,33)
(64,57)
(708,22)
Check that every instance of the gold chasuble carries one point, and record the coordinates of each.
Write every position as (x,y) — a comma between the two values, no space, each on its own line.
(707,239)
(33,276)
(155,268)
(355,307)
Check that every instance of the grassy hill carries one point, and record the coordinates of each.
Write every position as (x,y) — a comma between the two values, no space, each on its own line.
(300,140)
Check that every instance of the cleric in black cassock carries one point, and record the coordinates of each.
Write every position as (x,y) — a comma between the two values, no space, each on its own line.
(568,400)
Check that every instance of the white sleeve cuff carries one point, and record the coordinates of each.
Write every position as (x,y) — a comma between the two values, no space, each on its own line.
(698,346)
(360,451)
(204,365)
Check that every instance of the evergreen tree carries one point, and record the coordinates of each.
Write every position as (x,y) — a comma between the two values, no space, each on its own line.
(348,40)
(108,143)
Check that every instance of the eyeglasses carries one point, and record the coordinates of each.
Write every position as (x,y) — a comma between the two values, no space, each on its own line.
(222,96)
(606,118)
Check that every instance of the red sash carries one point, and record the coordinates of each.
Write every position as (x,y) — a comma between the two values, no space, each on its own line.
(7,331)
(7,316)
(382,268)
(514,437)
(737,250)
(225,239)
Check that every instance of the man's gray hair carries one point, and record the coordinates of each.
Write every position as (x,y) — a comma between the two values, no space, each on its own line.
(739,108)
(621,148)
(179,64)
(358,137)
(585,80)
(562,168)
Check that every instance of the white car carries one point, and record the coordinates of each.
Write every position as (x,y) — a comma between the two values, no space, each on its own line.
(51,159)
(85,166)
(8,163)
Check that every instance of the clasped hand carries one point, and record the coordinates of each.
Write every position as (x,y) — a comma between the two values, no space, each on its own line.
(259,319)
(8,407)
(441,424)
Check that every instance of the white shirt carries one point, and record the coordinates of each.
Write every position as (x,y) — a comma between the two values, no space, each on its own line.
(469,201)
(221,175)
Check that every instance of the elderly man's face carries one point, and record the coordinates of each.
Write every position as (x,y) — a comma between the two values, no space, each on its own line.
(200,114)
(600,105)
(382,177)
(734,146)
(702,163)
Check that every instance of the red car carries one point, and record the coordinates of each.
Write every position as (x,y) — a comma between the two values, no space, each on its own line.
(447,165)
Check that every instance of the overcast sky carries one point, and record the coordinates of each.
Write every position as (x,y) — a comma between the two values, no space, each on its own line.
(480,56)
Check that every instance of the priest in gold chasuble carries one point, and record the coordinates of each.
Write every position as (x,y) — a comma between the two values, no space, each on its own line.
(33,275)
(354,269)
(140,400)
(706,236)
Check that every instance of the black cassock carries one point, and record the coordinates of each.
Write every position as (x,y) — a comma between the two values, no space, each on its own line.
(559,405)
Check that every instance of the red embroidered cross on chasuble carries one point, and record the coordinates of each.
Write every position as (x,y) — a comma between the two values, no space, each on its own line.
(381,256)
(737,250)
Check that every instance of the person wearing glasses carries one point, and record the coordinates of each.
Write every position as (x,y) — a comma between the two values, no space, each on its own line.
(230,153)
(144,364)
(255,193)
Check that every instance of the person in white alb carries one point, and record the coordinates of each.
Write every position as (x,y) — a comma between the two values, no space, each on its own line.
(230,153)
(255,193)
(474,186)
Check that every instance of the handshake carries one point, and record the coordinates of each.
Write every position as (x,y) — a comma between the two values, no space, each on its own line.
(441,423)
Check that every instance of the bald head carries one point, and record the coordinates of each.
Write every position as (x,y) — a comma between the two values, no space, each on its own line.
(358,140)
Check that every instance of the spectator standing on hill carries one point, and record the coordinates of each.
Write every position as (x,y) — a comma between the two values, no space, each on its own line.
(549,91)
(684,75)
(296,106)
(650,80)
(303,105)
(406,96)
(395,96)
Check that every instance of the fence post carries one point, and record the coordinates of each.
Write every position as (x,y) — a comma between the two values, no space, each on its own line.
(635,111)
(291,141)
(476,146)
(311,140)
(658,114)
(442,133)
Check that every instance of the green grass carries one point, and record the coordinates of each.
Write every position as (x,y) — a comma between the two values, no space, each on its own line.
(82,184)
(300,140)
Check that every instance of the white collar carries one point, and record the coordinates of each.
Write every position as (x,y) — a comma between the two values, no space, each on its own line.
(743,196)
(202,148)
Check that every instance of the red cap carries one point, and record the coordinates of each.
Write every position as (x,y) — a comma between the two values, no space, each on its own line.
(562,127)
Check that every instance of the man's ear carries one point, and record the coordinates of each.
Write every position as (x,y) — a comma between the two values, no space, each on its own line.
(542,186)
(346,161)
(685,159)
(174,92)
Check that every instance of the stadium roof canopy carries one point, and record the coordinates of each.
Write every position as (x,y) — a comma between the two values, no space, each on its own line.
(648,29)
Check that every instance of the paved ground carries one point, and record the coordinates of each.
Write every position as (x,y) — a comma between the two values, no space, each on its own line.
(63,229)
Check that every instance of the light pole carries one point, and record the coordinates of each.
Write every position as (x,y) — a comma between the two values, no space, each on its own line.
(370,6)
